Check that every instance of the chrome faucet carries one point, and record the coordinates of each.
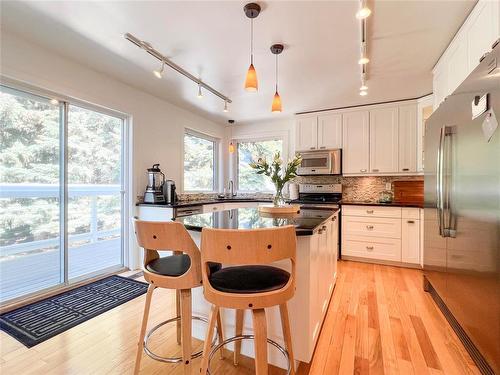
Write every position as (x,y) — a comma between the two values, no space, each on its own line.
(231,188)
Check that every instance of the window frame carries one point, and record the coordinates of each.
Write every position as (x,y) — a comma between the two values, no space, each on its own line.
(216,162)
(125,181)
(236,174)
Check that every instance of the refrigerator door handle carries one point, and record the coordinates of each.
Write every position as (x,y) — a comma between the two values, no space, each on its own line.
(447,171)
(439,182)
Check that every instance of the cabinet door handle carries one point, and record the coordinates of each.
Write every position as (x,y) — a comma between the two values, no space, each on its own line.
(406,169)
(334,218)
(362,170)
(369,227)
(369,211)
(369,248)
(214,208)
(410,222)
(374,170)
(322,147)
(312,148)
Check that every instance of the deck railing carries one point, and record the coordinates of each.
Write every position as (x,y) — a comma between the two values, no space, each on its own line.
(9,191)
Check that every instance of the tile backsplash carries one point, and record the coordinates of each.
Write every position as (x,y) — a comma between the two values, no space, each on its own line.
(357,188)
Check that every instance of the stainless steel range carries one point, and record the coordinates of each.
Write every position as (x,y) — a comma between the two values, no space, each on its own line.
(319,195)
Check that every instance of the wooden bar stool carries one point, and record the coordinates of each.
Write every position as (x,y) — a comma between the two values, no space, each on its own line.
(181,271)
(249,283)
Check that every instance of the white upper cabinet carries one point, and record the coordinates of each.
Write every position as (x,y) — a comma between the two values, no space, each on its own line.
(481,30)
(329,131)
(356,142)
(384,140)
(473,40)
(408,138)
(306,133)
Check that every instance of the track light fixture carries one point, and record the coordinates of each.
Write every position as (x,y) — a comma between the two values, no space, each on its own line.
(363,93)
(200,93)
(147,47)
(225,107)
(159,72)
(252,10)
(364,12)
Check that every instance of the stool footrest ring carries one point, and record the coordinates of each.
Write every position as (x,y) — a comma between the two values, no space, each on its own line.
(249,337)
(172,359)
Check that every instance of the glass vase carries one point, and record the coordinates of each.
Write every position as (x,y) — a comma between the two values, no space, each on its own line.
(278,199)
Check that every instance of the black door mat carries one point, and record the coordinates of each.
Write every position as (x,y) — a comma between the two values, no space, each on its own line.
(39,321)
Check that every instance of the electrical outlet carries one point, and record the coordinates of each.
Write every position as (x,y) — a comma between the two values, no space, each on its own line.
(388,186)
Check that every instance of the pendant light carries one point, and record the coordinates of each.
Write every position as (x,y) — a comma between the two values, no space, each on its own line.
(231,145)
(200,93)
(364,11)
(252,10)
(276,49)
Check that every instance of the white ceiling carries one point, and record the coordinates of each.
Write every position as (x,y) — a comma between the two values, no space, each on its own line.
(318,68)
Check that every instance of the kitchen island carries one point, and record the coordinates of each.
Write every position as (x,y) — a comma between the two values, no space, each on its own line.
(317,249)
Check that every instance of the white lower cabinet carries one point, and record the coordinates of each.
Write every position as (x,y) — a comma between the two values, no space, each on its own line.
(381,233)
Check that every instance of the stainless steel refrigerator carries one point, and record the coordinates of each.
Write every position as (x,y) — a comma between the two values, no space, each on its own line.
(462,211)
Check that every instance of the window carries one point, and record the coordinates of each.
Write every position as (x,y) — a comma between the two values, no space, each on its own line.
(61,192)
(249,151)
(200,162)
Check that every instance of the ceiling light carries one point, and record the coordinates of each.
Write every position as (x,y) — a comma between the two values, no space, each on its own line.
(54,101)
(363,13)
(363,60)
(159,72)
(363,93)
(225,107)
(231,148)
(276,49)
(252,10)
(200,94)
(363,87)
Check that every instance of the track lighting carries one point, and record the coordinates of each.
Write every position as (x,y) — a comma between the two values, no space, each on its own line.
(363,60)
(252,10)
(159,72)
(363,11)
(363,93)
(147,47)
(225,107)
(363,87)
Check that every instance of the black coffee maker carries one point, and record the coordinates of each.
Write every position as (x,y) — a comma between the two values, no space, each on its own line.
(156,181)
(169,192)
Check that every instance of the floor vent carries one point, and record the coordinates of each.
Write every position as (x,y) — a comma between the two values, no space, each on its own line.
(478,358)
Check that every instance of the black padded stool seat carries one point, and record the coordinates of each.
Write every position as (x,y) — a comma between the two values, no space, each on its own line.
(175,265)
(249,279)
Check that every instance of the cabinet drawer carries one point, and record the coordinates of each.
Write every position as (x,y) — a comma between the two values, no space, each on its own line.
(372,248)
(410,213)
(372,226)
(371,211)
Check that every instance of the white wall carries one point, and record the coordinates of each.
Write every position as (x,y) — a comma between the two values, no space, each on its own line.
(157,126)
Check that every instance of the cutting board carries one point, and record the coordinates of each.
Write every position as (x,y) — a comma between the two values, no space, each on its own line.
(408,191)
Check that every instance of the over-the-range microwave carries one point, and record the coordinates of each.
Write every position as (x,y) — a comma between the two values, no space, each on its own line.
(325,162)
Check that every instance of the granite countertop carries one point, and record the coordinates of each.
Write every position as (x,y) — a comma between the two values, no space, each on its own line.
(204,201)
(391,204)
(250,218)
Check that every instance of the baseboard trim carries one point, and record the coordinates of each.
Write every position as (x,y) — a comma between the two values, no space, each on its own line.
(473,351)
(379,261)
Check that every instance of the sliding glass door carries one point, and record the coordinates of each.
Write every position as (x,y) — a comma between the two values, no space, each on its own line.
(61,193)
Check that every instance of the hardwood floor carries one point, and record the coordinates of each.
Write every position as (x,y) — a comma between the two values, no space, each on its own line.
(379,321)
